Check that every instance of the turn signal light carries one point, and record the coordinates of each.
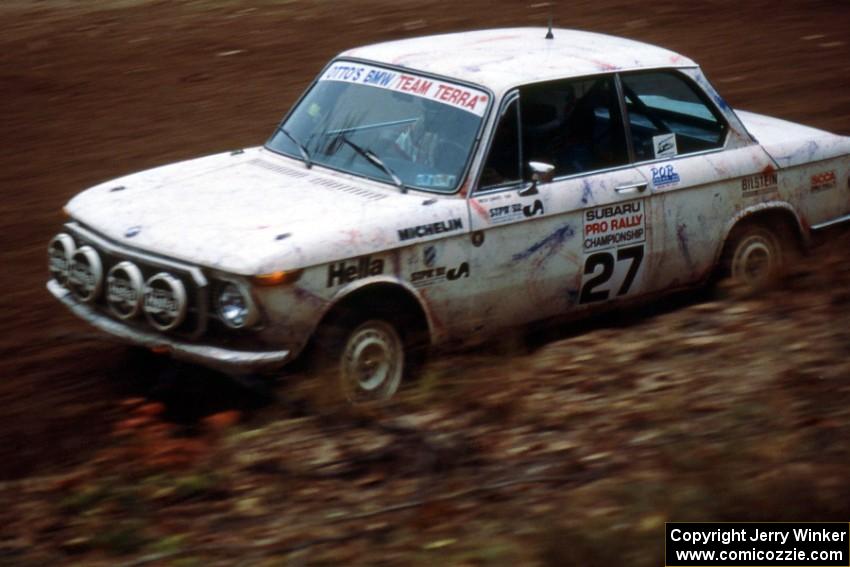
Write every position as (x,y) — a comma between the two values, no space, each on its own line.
(278,278)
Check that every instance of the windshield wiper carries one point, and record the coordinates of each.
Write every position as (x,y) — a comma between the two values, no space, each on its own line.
(308,161)
(376,161)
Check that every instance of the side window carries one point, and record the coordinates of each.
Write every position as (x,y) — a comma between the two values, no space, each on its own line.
(667,116)
(574,125)
(503,162)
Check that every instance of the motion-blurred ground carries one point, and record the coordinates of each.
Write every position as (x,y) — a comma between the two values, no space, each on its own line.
(574,453)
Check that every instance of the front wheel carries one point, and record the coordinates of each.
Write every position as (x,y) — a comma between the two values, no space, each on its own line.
(360,358)
(371,364)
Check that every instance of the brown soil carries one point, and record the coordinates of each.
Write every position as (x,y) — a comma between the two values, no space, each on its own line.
(91,91)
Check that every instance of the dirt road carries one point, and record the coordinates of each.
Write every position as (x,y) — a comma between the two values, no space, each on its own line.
(91,93)
(94,90)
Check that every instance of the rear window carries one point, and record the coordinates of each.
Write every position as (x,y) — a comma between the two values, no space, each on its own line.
(669,116)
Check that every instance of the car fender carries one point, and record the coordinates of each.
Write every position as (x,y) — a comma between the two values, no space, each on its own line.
(759,208)
(386,279)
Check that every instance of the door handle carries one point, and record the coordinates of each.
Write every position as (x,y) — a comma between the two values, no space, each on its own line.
(631,188)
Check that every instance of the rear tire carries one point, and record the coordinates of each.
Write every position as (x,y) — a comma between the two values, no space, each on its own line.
(755,256)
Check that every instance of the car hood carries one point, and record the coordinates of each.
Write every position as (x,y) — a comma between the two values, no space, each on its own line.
(258,212)
(791,144)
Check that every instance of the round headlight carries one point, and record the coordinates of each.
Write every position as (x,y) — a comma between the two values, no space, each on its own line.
(233,307)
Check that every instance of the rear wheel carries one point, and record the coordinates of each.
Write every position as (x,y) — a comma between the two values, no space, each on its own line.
(755,256)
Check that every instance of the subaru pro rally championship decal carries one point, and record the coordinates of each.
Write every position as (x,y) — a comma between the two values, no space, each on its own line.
(458,96)
(614,237)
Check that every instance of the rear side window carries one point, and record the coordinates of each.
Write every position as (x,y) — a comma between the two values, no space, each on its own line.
(668,116)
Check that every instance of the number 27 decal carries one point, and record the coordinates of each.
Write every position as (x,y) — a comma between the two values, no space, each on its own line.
(589,294)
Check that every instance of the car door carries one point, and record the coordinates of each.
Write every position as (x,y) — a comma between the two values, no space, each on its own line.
(543,247)
(699,173)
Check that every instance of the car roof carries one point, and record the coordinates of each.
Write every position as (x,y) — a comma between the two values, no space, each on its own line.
(505,58)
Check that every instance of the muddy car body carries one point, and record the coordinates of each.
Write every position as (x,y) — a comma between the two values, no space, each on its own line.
(441,189)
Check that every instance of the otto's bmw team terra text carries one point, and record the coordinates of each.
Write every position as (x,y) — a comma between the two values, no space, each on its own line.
(441,189)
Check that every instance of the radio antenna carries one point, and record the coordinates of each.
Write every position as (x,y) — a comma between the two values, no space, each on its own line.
(549,33)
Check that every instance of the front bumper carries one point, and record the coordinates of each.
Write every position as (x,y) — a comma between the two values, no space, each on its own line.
(226,360)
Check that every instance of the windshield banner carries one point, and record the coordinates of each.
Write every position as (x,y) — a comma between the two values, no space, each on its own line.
(458,96)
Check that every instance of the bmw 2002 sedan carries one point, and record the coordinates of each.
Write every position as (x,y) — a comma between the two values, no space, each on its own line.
(441,188)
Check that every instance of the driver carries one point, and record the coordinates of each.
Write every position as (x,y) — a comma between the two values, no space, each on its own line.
(419,140)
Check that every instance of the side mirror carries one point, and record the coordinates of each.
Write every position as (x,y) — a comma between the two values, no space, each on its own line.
(541,172)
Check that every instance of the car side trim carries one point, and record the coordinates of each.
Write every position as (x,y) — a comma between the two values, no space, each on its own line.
(832,222)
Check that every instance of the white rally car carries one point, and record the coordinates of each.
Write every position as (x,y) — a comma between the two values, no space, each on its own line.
(443,188)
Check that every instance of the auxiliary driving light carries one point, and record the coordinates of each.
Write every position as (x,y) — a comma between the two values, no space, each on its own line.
(125,290)
(59,253)
(85,274)
(165,301)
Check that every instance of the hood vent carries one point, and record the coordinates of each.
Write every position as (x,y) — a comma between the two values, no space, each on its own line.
(278,168)
(351,189)
(327,183)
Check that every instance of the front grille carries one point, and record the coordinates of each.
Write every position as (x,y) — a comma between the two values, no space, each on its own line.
(193,280)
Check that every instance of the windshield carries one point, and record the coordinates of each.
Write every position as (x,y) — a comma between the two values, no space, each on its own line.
(420,129)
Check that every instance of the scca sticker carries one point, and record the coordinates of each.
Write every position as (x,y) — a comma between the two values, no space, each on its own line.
(823,181)
(458,96)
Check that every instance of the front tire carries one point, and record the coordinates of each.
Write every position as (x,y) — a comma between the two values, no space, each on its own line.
(371,364)
(360,358)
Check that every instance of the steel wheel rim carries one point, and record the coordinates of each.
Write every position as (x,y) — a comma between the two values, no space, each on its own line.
(754,260)
(372,362)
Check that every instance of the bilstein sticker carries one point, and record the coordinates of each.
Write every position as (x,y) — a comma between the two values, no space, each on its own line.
(760,184)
